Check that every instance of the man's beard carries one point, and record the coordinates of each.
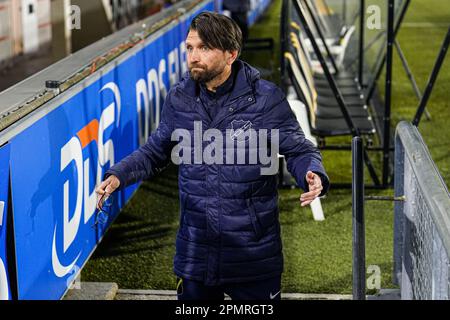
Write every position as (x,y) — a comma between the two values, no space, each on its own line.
(204,76)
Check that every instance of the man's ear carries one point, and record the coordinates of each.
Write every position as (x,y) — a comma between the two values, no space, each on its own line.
(231,56)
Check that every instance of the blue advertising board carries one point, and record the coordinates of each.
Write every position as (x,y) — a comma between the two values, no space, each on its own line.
(57,161)
(4,188)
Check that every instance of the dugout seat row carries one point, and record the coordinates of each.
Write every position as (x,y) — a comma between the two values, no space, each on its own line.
(325,115)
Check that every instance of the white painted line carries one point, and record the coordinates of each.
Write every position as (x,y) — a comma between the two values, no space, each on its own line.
(425,25)
(2,209)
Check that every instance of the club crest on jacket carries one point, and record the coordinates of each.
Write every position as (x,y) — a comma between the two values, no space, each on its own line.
(240,130)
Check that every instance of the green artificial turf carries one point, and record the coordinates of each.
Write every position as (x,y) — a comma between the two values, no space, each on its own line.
(137,252)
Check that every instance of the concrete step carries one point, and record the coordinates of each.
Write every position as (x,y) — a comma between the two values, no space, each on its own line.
(93,291)
(126,294)
(110,291)
(129,294)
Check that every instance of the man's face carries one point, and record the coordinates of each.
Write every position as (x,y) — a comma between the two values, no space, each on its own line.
(204,63)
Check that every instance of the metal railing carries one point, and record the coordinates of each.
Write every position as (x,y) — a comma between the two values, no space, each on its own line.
(421,222)
(358,234)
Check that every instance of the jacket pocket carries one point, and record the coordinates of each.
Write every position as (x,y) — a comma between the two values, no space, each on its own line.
(254,219)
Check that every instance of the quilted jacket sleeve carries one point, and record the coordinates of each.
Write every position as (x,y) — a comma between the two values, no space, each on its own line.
(301,155)
(151,157)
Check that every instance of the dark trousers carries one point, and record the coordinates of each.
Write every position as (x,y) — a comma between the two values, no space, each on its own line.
(268,289)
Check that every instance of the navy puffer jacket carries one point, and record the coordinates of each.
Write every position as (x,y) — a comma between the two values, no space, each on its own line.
(229,229)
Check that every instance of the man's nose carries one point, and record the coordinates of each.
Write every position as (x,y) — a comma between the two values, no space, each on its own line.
(194,56)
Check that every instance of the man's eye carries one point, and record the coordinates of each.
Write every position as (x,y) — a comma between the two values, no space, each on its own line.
(205,48)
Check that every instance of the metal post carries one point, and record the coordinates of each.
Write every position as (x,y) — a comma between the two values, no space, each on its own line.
(361,42)
(433,77)
(388,93)
(399,190)
(359,255)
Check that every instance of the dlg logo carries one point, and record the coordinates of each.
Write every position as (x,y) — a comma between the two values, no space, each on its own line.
(85,201)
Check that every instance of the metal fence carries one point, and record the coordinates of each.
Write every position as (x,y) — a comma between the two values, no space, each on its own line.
(421,222)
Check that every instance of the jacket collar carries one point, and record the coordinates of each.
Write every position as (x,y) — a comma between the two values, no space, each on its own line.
(224,88)
(243,88)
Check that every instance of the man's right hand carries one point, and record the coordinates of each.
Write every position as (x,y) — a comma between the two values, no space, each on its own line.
(105,189)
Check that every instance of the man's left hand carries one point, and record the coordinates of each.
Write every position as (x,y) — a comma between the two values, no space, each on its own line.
(315,188)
